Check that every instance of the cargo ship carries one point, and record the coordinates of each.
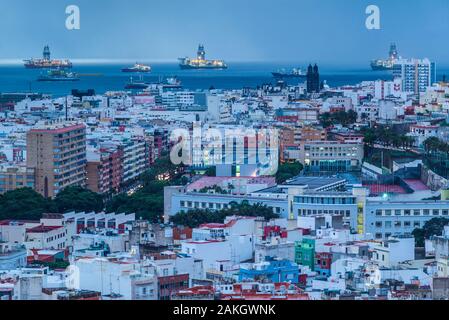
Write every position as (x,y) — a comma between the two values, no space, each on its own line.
(200,61)
(46,62)
(294,73)
(138,67)
(140,84)
(58,75)
(386,64)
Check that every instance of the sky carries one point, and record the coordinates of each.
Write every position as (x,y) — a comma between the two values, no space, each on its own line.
(329,32)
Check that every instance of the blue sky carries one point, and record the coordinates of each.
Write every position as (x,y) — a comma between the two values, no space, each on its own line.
(327,31)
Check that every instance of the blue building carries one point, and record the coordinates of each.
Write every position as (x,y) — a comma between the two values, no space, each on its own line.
(272,270)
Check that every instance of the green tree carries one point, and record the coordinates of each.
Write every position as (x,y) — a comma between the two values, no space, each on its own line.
(23,204)
(76,198)
(287,171)
(211,172)
(196,217)
(431,228)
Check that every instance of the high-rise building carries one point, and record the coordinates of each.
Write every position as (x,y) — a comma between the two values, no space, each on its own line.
(313,79)
(57,152)
(416,74)
(104,170)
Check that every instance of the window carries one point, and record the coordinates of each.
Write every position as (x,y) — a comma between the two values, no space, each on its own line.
(407,223)
(378,213)
(387,224)
(379,224)
(397,212)
(388,212)
(436,212)
(416,212)
(407,212)
(417,224)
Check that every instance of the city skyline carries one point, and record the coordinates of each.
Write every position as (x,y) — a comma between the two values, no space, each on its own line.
(285,32)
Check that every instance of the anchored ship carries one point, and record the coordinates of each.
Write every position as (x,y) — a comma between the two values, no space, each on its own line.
(294,73)
(140,84)
(200,61)
(58,75)
(171,83)
(138,67)
(386,64)
(46,62)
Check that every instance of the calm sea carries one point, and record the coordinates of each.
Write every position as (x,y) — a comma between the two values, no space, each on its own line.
(106,77)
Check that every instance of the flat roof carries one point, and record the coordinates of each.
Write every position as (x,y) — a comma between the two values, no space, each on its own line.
(314,182)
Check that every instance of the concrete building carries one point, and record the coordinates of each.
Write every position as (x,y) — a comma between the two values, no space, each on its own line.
(331,156)
(416,74)
(14,177)
(46,237)
(12,256)
(104,170)
(57,153)
(115,278)
(383,219)
(272,270)
(393,251)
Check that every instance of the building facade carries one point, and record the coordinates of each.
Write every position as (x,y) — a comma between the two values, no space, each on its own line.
(57,153)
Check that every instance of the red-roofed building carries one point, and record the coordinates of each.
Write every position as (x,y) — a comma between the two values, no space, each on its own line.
(46,237)
(49,256)
(195,293)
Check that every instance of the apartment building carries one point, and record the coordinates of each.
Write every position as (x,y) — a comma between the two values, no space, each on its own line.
(14,177)
(416,74)
(331,156)
(388,218)
(57,152)
(104,170)
(134,164)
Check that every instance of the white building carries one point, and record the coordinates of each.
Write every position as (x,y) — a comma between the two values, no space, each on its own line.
(416,74)
(391,252)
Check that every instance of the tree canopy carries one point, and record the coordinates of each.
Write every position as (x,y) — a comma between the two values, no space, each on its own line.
(431,228)
(148,202)
(76,198)
(344,118)
(195,218)
(23,204)
(287,171)
(388,137)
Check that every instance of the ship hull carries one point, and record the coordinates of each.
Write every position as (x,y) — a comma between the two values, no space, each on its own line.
(135,71)
(58,79)
(288,76)
(136,86)
(190,67)
(35,66)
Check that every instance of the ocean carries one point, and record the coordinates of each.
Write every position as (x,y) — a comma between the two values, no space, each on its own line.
(108,77)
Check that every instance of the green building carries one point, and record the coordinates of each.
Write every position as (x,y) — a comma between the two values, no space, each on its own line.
(305,252)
